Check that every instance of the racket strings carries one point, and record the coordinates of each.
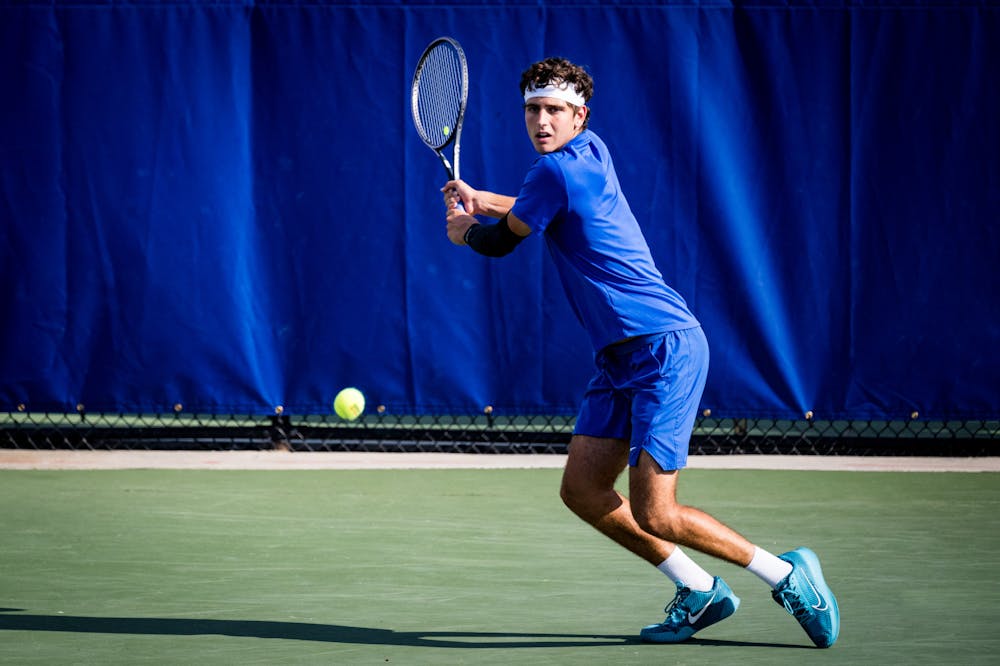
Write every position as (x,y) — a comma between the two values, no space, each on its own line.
(439,96)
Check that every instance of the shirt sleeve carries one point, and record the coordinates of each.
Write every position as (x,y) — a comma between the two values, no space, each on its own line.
(543,194)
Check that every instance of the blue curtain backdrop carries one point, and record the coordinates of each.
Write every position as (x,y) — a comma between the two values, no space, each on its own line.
(224,204)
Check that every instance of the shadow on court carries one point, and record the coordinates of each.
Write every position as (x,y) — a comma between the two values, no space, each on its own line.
(328,633)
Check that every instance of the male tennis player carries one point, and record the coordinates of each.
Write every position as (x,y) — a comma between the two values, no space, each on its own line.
(652,361)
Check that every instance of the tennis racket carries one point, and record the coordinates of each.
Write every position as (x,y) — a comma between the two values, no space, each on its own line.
(438,97)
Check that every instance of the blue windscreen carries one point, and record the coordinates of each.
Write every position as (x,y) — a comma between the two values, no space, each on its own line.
(225,205)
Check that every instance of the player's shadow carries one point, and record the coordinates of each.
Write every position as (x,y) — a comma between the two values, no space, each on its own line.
(304,631)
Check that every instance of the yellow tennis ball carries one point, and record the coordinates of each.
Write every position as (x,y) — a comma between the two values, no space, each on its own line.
(349,404)
(446,130)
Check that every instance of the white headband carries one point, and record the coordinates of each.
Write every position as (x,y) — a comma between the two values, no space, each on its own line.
(563,91)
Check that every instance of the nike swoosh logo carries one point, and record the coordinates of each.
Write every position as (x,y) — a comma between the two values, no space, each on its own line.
(697,616)
(823,605)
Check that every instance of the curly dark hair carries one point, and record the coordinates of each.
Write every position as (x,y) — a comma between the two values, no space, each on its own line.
(559,70)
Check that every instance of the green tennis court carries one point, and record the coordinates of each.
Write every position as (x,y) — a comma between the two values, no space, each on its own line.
(470,566)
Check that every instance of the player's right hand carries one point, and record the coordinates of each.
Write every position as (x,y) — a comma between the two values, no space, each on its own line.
(457,224)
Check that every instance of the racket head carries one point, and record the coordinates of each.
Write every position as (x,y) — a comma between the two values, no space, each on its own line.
(439,93)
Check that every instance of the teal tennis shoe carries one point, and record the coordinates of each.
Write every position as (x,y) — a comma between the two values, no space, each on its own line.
(808,598)
(692,611)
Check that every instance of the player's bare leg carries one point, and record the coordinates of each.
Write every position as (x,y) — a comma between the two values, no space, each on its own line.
(653,492)
(588,489)
(653,521)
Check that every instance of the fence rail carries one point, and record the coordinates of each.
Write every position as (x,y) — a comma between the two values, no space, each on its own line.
(482,433)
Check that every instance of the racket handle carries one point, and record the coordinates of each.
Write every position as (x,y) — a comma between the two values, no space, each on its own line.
(458,201)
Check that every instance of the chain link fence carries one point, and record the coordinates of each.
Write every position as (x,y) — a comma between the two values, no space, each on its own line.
(486,432)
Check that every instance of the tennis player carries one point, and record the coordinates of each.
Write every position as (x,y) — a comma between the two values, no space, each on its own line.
(652,360)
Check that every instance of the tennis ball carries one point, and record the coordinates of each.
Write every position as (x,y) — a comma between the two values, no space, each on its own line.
(446,130)
(349,404)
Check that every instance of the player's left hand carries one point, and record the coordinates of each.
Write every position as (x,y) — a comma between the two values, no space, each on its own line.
(456,191)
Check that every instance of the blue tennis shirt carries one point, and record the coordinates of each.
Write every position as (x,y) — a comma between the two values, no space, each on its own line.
(573,197)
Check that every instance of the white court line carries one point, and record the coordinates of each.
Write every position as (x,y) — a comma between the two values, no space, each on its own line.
(276,460)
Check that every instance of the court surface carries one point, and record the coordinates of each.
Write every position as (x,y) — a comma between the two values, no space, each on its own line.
(462,564)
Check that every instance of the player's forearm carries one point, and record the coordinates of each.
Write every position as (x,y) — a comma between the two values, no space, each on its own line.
(494,205)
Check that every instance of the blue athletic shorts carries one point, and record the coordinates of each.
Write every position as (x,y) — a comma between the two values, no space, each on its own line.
(647,391)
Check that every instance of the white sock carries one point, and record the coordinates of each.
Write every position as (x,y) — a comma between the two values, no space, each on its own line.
(682,569)
(769,568)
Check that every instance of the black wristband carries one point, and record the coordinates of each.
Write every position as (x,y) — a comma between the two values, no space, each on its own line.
(469,231)
(492,240)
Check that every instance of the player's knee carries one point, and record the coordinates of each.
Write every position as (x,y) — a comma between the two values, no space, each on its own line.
(573,495)
(582,498)
(663,523)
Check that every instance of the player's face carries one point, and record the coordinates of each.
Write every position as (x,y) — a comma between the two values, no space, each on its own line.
(551,122)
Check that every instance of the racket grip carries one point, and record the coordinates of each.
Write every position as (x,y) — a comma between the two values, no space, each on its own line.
(458,201)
